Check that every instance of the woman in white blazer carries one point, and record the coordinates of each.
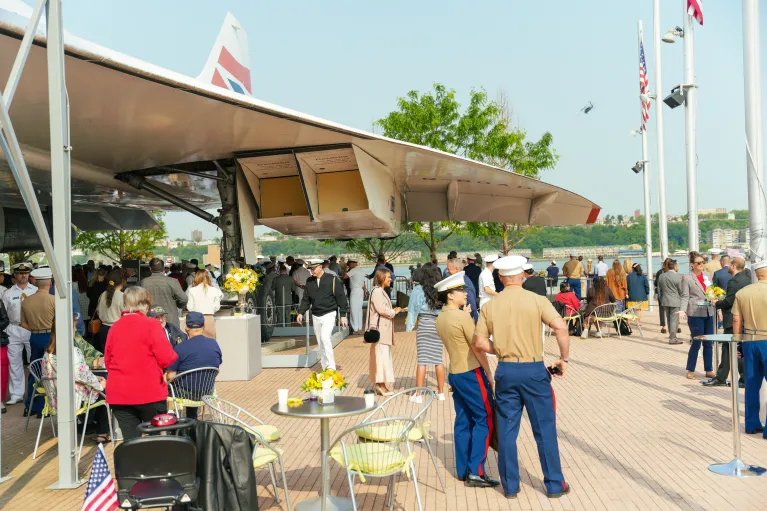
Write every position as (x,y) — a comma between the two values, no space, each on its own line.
(699,313)
(205,299)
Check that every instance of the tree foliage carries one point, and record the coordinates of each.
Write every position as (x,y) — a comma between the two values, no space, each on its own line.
(434,234)
(116,244)
(371,248)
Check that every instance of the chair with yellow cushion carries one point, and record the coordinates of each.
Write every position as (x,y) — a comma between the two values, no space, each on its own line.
(413,403)
(389,455)
(38,391)
(606,314)
(632,315)
(185,390)
(264,453)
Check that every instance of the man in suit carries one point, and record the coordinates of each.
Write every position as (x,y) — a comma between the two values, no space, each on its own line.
(738,280)
(166,291)
(723,275)
(670,292)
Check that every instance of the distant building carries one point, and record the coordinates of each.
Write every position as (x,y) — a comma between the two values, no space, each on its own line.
(728,238)
(712,211)
(196,235)
(636,214)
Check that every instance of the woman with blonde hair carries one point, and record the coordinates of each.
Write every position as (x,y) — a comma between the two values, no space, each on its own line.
(616,281)
(205,299)
(110,306)
(628,265)
(380,317)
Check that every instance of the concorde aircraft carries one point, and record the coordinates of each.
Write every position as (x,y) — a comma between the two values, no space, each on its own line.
(146,138)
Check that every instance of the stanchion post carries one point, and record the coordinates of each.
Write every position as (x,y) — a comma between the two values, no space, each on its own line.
(734,377)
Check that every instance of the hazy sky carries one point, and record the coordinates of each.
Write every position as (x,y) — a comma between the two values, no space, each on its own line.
(349,61)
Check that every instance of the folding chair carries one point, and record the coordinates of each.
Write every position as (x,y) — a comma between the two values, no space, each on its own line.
(36,370)
(188,388)
(264,453)
(631,315)
(605,314)
(414,403)
(388,456)
(571,317)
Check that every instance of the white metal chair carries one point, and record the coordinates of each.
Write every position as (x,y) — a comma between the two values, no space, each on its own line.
(187,389)
(264,453)
(38,391)
(571,316)
(379,458)
(50,388)
(604,314)
(631,316)
(414,403)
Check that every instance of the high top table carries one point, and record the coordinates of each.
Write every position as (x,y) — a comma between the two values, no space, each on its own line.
(736,467)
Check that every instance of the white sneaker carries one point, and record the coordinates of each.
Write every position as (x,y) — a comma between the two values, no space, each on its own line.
(598,334)
(440,397)
(585,334)
(13,401)
(416,399)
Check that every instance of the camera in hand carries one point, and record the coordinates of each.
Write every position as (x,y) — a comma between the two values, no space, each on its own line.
(554,370)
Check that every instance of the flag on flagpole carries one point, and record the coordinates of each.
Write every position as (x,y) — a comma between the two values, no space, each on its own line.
(101,494)
(695,9)
(644,87)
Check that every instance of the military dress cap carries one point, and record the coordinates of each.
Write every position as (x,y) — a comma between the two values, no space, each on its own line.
(454,281)
(195,320)
(352,260)
(759,265)
(510,265)
(22,268)
(525,267)
(470,258)
(573,253)
(156,311)
(42,274)
(311,263)
(281,260)
(492,258)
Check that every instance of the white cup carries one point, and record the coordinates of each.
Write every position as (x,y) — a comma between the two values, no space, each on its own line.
(370,400)
(282,398)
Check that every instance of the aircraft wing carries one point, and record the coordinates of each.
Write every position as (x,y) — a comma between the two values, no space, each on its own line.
(308,176)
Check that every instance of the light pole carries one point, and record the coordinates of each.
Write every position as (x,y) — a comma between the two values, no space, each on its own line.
(662,219)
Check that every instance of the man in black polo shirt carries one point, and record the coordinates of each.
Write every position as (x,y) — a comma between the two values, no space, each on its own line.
(324,293)
(532,281)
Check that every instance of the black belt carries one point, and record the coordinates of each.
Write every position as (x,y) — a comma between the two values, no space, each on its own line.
(520,360)
(41,331)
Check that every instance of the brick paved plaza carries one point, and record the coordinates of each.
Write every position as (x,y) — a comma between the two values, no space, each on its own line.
(633,432)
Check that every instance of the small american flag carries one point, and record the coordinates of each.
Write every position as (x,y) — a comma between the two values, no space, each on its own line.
(101,494)
(644,86)
(695,9)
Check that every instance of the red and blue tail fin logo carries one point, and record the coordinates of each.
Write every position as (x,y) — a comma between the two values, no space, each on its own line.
(228,64)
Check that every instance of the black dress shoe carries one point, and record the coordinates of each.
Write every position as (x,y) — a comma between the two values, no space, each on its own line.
(663,330)
(556,495)
(755,432)
(480,481)
(510,495)
(26,412)
(4,410)
(713,382)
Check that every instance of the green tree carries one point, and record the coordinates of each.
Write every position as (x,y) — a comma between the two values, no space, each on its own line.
(116,244)
(372,248)
(20,256)
(434,234)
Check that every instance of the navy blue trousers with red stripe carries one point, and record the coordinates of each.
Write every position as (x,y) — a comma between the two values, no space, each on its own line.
(518,386)
(473,421)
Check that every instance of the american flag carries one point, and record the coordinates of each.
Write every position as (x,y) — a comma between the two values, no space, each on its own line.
(644,87)
(101,494)
(695,9)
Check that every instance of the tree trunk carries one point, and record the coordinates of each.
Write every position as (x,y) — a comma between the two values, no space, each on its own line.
(505,238)
(122,245)
(432,243)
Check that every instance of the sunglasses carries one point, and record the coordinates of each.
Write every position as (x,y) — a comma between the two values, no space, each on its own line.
(699,262)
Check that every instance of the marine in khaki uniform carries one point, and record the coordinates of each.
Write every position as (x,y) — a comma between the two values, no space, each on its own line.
(18,337)
(472,393)
(37,313)
(514,319)
(749,315)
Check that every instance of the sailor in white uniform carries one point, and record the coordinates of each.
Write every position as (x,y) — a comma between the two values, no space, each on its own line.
(18,337)
(357,277)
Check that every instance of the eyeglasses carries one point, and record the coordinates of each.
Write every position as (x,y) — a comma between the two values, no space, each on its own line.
(699,262)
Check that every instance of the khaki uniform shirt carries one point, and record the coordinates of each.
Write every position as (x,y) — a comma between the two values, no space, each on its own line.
(710,267)
(573,269)
(37,311)
(751,304)
(514,319)
(456,329)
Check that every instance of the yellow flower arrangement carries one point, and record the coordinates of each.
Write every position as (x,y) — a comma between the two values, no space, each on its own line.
(714,293)
(314,382)
(241,280)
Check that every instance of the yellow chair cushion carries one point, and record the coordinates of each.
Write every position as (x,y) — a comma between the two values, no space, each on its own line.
(262,456)
(630,317)
(390,432)
(186,403)
(607,319)
(267,432)
(372,458)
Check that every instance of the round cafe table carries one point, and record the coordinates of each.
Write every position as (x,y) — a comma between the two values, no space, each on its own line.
(736,467)
(342,407)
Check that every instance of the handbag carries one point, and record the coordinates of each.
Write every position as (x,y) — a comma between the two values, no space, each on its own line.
(94,327)
(371,335)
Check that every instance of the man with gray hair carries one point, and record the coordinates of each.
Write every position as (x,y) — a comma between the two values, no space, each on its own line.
(670,292)
(165,291)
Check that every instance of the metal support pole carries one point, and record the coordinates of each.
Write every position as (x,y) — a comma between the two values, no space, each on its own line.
(662,218)
(231,238)
(2,479)
(646,178)
(61,186)
(21,57)
(690,109)
(752,76)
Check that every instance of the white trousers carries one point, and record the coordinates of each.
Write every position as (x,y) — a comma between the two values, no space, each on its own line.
(18,340)
(355,309)
(323,330)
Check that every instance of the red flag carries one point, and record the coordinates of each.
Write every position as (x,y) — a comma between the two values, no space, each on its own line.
(695,9)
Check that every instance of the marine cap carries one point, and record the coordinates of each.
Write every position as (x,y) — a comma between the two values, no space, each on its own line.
(454,281)
(492,258)
(759,265)
(22,268)
(195,320)
(42,274)
(281,260)
(525,267)
(510,265)
(471,258)
(156,311)
(259,256)
(311,263)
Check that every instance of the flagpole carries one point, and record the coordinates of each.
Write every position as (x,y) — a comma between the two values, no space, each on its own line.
(662,218)
(690,109)
(752,76)
(646,178)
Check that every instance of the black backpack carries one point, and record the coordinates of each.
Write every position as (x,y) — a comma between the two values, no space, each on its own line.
(623,326)
(575,327)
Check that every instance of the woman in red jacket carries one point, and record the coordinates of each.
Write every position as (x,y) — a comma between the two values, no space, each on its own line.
(136,355)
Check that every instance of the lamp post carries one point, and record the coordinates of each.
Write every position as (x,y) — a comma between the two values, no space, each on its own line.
(646,178)
(662,219)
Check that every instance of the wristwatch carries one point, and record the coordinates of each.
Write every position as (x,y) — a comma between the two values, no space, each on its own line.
(565,361)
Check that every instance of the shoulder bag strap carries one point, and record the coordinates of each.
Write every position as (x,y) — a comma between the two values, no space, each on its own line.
(370,300)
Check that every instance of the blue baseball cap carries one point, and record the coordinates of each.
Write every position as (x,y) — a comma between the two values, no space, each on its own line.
(195,320)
